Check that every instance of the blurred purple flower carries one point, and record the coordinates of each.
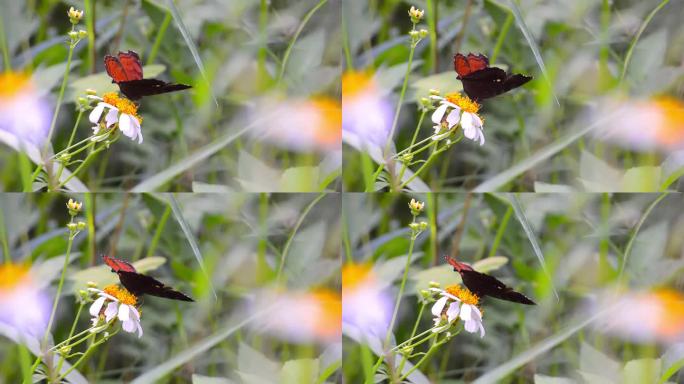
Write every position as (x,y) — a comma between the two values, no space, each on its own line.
(23,305)
(366,113)
(365,304)
(24,115)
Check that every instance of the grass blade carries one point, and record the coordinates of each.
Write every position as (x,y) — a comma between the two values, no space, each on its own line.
(533,45)
(191,45)
(178,214)
(634,41)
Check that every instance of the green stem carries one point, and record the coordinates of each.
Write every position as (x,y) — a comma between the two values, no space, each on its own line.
(433,155)
(413,333)
(420,362)
(86,354)
(80,167)
(55,303)
(305,20)
(402,285)
(404,164)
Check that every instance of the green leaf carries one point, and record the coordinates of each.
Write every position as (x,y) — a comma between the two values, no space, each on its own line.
(299,371)
(642,179)
(641,371)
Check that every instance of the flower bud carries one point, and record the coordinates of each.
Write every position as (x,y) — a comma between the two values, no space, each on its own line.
(415,227)
(73,35)
(415,14)
(422,225)
(74,15)
(91,92)
(407,350)
(433,284)
(83,34)
(416,207)
(434,92)
(74,207)
(91,284)
(81,225)
(72,227)
(415,35)
(423,33)
(407,157)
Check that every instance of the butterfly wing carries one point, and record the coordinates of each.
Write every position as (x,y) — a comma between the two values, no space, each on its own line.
(482,285)
(114,69)
(136,89)
(118,265)
(140,284)
(130,62)
(465,65)
(515,81)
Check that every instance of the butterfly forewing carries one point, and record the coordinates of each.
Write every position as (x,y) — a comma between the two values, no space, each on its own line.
(480,81)
(118,265)
(483,285)
(130,61)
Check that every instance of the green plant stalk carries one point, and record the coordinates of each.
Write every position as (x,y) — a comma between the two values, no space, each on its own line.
(402,94)
(58,105)
(642,28)
(86,354)
(345,44)
(500,231)
(402,286)
(427,355)
(305,20)
(413,140)
(160,36)
(3,237)
(158,232)
(90,156)
(433,155)
(431,8)
(71,333)
(413,333)
(3,45)
(502,36)
(60,285)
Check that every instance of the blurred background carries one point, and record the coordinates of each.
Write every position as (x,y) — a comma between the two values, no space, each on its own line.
(605,272)
(604,111)
(263,270)
(263,114)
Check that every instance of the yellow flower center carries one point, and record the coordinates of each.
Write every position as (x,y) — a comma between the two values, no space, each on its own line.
(328,318)
(330,129)
(463,294)
(121,294)
(354,82)
(463,102)
(11,275)
(355,274)
(672,128)
(12,83)
(122,104)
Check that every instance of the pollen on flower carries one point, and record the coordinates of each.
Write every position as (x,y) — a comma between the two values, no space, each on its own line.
(354,82)
(11,274)
(463,102)
(12,82)
(329,314)
(329,131)
(355,274)
(123,105)
(463,294)
(673,125)
(121,294)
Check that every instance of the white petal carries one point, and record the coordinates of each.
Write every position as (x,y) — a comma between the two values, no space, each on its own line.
(467,120)
(97,306)
(466,311)
(110,119)
(128,326)
(482,330)
(439,306)
(124,314)
(470,326)
(438,114)
(477,315)
(130,126)
(453,310)
(476,120)
(453,117)
(110,312)
(140,331)
(96,113)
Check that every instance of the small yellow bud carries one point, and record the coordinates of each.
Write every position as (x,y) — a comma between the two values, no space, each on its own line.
(423,33)
(81,225)
(433,284)
(414,35)
(83,34)
(414,227)
(415,14)
(434,92)
(74,15)
(91,284)
(72,227)
(74,207)
(91,92)
(416,207)
(422,225)
(73,35)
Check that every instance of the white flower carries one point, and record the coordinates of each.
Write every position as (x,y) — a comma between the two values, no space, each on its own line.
(127,313)
(129,124)
(457,109)
(460,306)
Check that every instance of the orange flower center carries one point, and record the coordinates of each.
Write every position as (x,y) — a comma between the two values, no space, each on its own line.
(672,126)
(12,83)
(330,129)
(463,102)
(463,294)
(11,275)
(328,322)
(355,274)
(354,82)
(122,104)
(121,294)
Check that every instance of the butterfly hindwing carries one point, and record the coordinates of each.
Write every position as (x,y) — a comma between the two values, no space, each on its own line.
(114,69)
(482,285)
(139,284)
(136,89)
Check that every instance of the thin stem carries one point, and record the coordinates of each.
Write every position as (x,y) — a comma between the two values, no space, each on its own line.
(305,20)
(422,168)
(55,303)
(60,97)
(404,164)
(427,355)
(80,167)
(401,289)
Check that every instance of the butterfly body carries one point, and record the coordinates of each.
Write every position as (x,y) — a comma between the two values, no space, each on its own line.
(482,284)
(139,284)
(126,71)
(480,81)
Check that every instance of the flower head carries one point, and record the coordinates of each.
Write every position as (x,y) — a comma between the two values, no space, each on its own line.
(301,125)
(74,207)
(646,124)
(301,317)
(416,207)
(367,113)
(74,15)
(122,112)
(459,302)
(454,109)
(23,305)
(120,304)
(416,14)
(24,115)
(365,304)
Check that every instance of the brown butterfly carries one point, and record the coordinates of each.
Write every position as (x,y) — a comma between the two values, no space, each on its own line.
(139,284)
(126,71)
(483,284)
(480,81)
